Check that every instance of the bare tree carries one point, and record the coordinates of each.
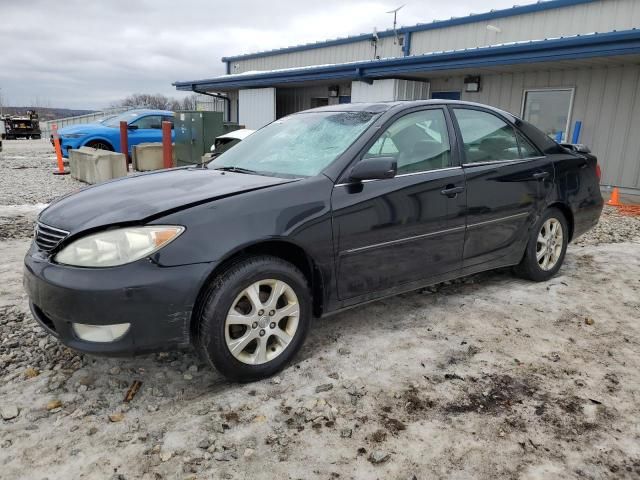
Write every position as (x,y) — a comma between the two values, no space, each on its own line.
(190,102)
(146,100)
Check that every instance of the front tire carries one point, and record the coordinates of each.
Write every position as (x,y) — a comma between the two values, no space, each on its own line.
(254,318)
(100,145)
(546,248)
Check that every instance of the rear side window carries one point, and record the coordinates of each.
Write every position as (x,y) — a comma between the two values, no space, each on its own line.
(486,137)
(527,150)
(419,141)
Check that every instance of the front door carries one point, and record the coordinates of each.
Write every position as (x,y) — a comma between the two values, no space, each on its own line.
(147,130)
(507,181)
(408,228)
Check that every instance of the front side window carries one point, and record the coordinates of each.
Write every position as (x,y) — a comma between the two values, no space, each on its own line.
(486,137)
(151,121)
(549,110)
(298,145)
(418,141)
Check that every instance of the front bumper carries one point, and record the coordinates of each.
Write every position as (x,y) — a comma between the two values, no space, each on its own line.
(67,144)
(157,302)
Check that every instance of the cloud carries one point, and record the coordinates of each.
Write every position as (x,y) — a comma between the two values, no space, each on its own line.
(85,54)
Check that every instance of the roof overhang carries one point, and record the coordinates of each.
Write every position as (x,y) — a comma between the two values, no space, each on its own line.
(530,52)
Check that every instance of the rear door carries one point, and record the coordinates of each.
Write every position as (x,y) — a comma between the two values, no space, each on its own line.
(508,181)
(407,228)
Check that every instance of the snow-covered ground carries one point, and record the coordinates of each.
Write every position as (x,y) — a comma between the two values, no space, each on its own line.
(487,377)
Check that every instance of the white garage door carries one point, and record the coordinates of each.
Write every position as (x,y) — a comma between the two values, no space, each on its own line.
(256,107)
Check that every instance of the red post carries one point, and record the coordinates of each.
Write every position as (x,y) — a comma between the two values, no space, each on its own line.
(56,145)
(167,154)
(124,143)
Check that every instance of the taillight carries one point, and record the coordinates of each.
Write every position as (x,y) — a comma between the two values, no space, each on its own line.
(598,172)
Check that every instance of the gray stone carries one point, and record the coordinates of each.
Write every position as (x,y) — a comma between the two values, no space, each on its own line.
(324,388)
(378,456)
(9,412)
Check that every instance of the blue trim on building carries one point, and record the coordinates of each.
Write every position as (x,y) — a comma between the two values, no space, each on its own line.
(535,51)
(406,46)
(421,27)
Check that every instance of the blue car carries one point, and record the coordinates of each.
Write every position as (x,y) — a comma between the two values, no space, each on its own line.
(144,126)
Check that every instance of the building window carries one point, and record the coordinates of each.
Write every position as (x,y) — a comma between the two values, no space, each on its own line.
(549,110)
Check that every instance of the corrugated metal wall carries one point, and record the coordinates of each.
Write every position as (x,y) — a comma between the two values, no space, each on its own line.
(351,52)
(606,100)
(602,16)
(291,100)
(389,90)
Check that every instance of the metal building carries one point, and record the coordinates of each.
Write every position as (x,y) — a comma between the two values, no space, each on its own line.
(571,67)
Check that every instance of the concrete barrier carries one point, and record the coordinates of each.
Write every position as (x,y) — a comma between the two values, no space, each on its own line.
(91,165)
(148,156)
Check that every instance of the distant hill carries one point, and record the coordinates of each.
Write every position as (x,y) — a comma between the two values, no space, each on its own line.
(46,113)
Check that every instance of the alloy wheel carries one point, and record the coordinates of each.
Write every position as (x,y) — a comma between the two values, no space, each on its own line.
(100,146)
(262,321)
(549,244)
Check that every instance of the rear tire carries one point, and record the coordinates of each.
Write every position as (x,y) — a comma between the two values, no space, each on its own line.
(546,248)
(100,145)
(254,318)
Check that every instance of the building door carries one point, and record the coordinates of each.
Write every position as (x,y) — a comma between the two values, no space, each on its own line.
(507,182)
(407,228)
(446,95)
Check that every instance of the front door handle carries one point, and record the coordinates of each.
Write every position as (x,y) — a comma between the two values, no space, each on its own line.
(452,191)
(540,175)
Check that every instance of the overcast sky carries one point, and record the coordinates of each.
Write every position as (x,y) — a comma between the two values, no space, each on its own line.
(88,54)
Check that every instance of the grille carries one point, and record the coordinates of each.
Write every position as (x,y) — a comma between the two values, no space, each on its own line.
(47,238)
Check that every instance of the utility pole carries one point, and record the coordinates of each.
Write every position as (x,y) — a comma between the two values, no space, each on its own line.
(1,102)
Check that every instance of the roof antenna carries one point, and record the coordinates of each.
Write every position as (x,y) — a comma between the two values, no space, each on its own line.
(395,21)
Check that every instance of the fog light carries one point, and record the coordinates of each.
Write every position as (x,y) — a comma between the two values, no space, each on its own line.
(101,333)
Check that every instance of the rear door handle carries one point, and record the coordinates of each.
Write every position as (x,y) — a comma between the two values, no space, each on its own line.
(452,191)
(540,175)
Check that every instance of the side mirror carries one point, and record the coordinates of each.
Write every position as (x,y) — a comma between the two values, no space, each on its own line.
(132,127)
(576,147)
(378,168)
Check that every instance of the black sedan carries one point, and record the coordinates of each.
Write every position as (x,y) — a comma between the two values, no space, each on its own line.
(316,212)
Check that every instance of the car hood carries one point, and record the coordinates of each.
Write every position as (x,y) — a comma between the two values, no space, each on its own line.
(138,198)
(84,128)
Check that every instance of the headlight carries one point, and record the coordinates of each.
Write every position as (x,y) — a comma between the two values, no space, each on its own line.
(117,247)
(73,135)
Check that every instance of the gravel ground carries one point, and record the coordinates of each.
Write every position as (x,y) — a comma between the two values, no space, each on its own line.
(26,168)
(485,377)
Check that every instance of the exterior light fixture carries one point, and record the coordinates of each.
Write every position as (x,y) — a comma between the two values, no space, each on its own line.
(472,84)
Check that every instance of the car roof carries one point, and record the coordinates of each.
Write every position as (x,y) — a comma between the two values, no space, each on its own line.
(149,111)
(380,107)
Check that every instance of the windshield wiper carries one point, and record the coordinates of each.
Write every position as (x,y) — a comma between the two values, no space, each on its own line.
(236,169)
